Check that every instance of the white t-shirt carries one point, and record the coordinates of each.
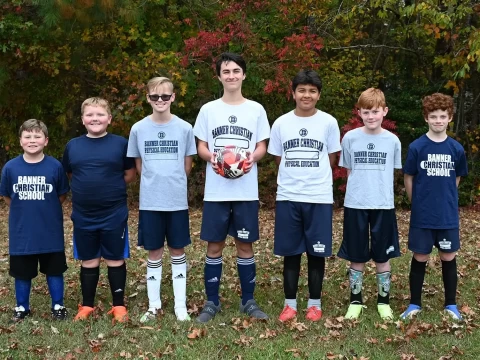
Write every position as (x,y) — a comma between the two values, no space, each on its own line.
(162,148)
(304,143)
(371,159)
(220,124)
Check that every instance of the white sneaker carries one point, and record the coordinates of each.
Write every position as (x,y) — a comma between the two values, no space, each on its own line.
(182,314)
(150,315)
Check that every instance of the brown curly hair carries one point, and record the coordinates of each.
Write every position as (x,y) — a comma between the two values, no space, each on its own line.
(435,102)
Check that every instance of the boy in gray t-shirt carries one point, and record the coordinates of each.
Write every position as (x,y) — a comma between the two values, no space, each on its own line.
(370,154)
(162,145)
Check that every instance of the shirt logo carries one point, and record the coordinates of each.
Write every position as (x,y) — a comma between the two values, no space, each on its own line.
(232,119)
(370,146)
(161,135)
(303,132)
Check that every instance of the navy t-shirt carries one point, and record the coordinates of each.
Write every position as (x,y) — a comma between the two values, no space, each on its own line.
(435,167)
(35,223)
(99,191)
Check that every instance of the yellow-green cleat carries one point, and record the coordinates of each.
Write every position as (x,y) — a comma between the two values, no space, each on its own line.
(385,311)
(354,311)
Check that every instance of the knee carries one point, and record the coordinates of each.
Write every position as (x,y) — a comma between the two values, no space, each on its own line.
(244,250)
(421,257)
(114,263)
(176,252)
(447,256)
(156,254)
(215,249)
(383,267)
(93,263)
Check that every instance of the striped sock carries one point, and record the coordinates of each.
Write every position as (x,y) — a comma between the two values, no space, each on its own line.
(154,280)
(212,276)
(247,274)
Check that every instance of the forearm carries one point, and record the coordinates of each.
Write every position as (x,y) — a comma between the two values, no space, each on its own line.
(333,159)
(203,151)
(7,200)
(188,164)
(138,165)
(259,152)
(408,181)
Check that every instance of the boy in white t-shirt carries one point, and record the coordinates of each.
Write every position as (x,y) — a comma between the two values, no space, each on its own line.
(231,205)
(163,145)
(305,143)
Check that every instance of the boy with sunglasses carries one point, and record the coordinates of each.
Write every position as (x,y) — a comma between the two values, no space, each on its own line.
(163,145)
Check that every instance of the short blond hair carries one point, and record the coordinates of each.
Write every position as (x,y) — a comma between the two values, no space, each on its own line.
(157,81)
(33,125)
(371,98)
(96,101)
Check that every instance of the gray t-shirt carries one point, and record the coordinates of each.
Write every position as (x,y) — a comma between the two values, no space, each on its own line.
(371,159)
(162,148)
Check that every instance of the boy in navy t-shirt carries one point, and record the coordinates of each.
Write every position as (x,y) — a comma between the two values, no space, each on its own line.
(35,186)
(99,170)
(434,165)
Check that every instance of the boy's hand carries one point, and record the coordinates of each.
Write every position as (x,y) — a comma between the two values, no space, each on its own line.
(249,163)
(213,162)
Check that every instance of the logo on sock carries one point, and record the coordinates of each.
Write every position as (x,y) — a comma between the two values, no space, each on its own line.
(390,249)
(445,245)
(243,234)
(151,278)
(212,280)
(118,290)
(318,248)
(253,280)
(179,276)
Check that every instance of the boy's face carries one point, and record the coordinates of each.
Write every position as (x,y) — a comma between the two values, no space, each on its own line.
(306,97)
(372,118)
(438,121)
(33,142)
(96,120)
(231,76)
(160,105)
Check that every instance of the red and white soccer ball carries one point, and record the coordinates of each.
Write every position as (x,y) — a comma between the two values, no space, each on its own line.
(231,161)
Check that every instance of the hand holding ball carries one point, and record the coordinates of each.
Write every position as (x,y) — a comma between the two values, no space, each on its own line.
(232,161)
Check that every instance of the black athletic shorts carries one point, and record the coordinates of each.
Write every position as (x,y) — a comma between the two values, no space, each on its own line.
(25,267)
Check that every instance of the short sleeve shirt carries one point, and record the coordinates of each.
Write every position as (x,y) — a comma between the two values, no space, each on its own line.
(162,149)
(435,167)
(35,223)
(220,124)
(99,191)
(304,143)
(372,160)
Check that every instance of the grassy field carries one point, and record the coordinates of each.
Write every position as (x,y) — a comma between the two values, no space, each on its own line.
(232,336)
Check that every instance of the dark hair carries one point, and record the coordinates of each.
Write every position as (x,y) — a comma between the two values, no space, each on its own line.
(307,77)
(226,57)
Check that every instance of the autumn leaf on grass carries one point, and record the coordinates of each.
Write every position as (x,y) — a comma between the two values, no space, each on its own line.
(125,354)
(244,340)
(95,345)
(297,326)
(408,357)
(295,352)
(467,310)
(268,334)
(54,330)
(197,333)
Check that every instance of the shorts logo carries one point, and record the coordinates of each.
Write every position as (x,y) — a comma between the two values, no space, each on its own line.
(303,132)
(445,245)
(390,249)
(161,135)
(370,146)
(319,248)
(232,119)
(243,234)
(212,280)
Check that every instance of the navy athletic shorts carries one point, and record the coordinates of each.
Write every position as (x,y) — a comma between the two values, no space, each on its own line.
(156,226)
(303,227)
(238,219)
(422,241)
(369,234)
(108,244)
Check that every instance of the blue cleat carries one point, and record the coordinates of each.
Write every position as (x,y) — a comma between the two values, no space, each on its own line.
(452,310)
(411,311)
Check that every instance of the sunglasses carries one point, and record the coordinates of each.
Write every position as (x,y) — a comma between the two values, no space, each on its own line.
(164,97)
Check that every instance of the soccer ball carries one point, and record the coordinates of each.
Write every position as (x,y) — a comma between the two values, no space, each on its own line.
(231,161)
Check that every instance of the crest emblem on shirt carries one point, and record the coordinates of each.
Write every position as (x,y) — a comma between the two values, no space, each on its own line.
(303,132)
(371,146)
(161,135)
(232,119)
